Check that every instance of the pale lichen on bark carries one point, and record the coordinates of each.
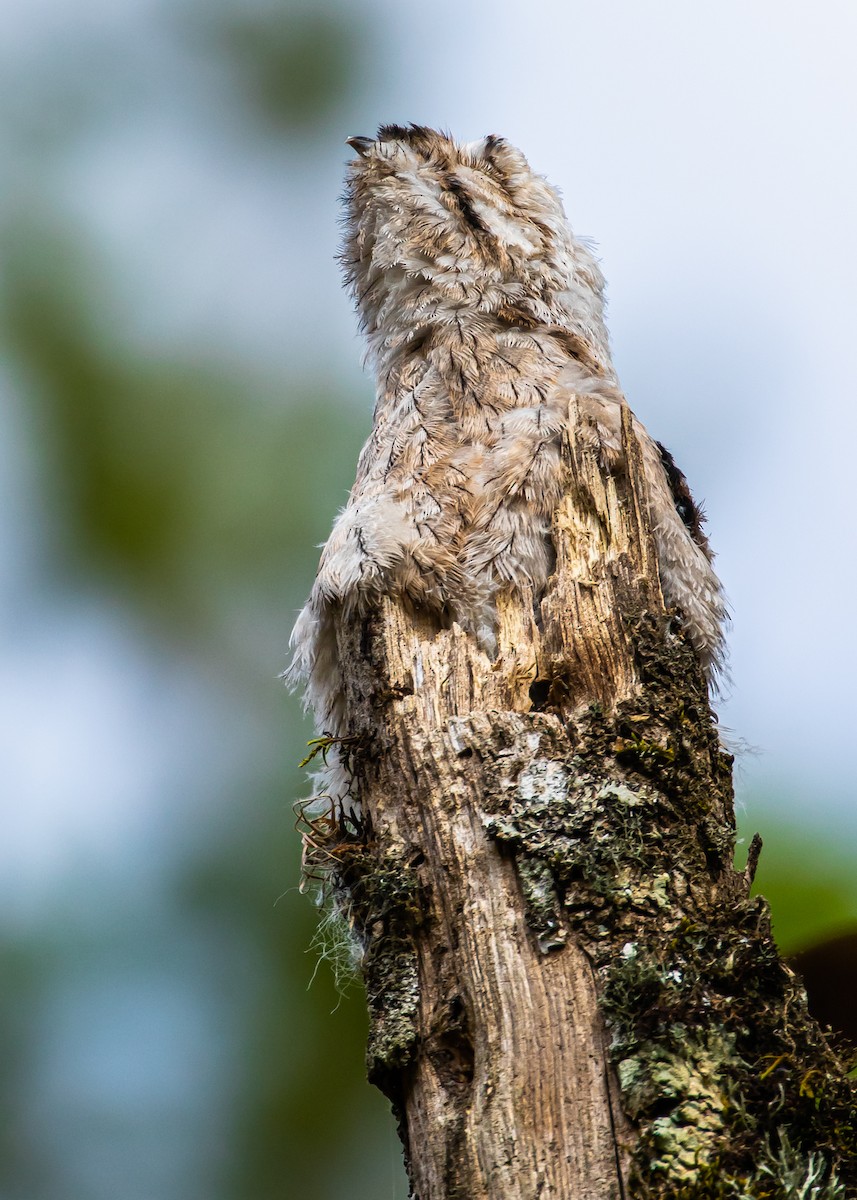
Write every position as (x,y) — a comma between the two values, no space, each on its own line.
(572,992)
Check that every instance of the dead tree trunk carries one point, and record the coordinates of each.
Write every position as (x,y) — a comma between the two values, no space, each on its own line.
(572,994)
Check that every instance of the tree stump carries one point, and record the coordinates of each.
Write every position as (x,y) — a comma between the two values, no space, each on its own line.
(572,994)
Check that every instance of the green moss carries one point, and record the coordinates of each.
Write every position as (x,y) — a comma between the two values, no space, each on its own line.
(732,1087)
(385,903)
(378,895)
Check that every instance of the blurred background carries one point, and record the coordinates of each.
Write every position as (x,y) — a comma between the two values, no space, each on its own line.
(181,406)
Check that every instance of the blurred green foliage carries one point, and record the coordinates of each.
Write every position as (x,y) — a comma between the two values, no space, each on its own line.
(191,491)
(808,879)
(201,492)
(182,478)
(293,66)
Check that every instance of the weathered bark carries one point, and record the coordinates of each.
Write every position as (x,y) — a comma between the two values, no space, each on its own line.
(572,994)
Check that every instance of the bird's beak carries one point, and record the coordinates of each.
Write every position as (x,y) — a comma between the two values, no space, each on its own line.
(360,144)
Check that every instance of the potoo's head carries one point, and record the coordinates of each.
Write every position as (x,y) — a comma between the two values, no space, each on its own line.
(472,221)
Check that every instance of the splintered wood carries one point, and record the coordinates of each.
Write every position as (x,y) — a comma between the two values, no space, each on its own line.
(509,1092)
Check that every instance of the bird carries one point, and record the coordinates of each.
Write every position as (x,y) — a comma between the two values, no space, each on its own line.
(483,315)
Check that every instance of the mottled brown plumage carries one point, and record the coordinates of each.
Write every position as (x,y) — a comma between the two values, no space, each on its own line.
(482,314)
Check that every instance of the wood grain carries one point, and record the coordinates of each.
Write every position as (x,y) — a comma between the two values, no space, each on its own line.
(511,1093)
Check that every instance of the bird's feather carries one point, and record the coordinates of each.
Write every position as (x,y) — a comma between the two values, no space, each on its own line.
(483,315)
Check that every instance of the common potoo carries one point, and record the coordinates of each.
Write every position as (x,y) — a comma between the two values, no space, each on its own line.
(483,313)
